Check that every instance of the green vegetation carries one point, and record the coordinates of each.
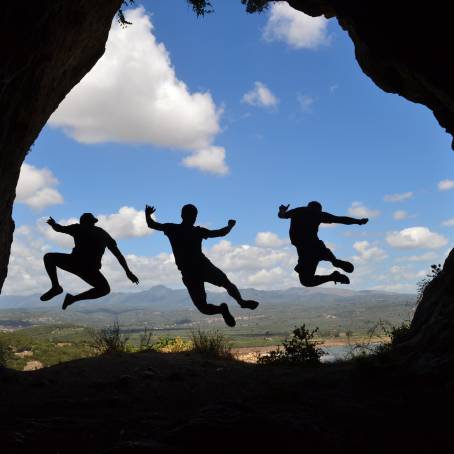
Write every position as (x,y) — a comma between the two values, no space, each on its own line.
(426,282)
(48,345)
(109,340)
(169,344)
(382,339)
(212,344)
(300,349)
(202,7)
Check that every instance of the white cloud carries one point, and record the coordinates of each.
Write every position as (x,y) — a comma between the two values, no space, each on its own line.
(133,95)
(403,273)
(260,96)
(368,252)
(295,28)
(416,237)
(448,223)
(269,240)
(359,210)
(445,185)
(400,215)
(398,197)
(126,223)
(305,102)
(210,159)
(36,187)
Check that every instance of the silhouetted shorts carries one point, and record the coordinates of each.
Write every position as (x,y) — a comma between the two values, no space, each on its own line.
(70,263)
(309,255)
(206,272)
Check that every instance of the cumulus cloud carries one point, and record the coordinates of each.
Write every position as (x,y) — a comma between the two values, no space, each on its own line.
(416,237)
(398,197)
(36,187)
(126,223)
(295,28)
(211,159)
(445,185)
(260,96)
(368,252)
(359,210)
(400,215)
(133,95)
(269,240)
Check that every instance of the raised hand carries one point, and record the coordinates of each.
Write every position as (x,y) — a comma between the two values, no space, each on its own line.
(149,210)
(51,221)
(231,223)
(284,207)
(132,277)
(363,221)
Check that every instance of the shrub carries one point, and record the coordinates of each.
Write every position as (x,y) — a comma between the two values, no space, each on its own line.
(172,345)
(423,284)
(212,344)
(300,349)
(109,340)
(368,349)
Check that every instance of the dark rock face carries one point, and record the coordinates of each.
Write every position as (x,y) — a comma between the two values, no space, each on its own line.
(47,47)
(432,328)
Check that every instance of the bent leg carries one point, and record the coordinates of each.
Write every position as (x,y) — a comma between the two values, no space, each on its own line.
(100,288)
(342,264)
(306,269)
(196,290)
(217,277)
(52,260)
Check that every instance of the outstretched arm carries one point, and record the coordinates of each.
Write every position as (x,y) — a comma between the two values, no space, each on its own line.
(150,221)
(122,261)
(57,227)
(221,232)
(328,218)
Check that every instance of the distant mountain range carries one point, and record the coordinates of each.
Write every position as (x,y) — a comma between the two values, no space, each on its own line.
(333,310)
(161,298)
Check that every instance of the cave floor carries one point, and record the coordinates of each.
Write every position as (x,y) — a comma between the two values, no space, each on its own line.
(159,402)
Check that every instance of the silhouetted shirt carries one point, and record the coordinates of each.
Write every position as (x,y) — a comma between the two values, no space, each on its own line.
(304,224)
(186,241)
(90,242)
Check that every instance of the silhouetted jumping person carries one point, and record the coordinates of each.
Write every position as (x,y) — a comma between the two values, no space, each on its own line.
(196,269)
(304,224)
(90,242)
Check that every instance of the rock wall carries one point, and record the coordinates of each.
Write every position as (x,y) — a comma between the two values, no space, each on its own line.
(47,47)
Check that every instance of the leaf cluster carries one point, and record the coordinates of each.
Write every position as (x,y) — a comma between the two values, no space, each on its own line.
(202,7)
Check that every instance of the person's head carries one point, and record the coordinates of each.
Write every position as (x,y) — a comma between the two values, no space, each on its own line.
(189,214)
(314,205)
(88,219)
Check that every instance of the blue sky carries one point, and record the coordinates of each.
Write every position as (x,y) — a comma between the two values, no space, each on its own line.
(237,114)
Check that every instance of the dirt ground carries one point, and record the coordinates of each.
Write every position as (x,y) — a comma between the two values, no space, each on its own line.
(154,402)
